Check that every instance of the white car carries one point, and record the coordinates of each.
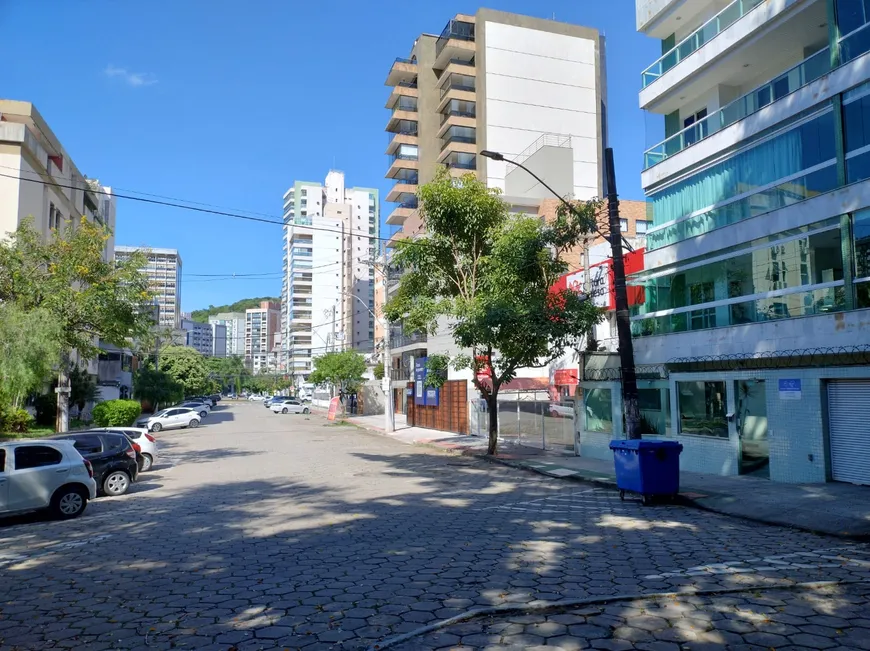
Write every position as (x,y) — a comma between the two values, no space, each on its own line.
(199,407)
(140,436)
(37,475)
(256,398)
(289,406)
(171,418)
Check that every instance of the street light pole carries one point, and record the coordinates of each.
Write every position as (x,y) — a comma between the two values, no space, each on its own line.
(623,326)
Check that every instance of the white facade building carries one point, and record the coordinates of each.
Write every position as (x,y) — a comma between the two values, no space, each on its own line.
(328,286)
(234,322)
(757,272)
(163,268)
(261,330)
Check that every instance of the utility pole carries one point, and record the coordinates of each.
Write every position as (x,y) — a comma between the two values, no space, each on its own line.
(623,325)
(389,424)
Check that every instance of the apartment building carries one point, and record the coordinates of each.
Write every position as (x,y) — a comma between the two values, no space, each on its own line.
(757,283)
(234,322)
(330,236)
(163,268)
(261,328)
(198,336)
(533,90)
(41,182)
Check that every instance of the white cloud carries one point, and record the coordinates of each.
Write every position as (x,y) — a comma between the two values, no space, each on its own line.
(134,79)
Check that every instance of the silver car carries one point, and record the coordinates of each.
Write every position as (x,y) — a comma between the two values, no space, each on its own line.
(289,406)
(172,418)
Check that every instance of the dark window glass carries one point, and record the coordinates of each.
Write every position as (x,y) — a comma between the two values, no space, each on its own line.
(861,233)
(851,14)
(115,442)
(36,456)
(88,444)
(2,460)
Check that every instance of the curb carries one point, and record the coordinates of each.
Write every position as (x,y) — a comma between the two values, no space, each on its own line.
(555,606)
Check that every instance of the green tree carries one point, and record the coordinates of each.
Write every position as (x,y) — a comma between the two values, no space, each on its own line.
(239,306)
(30,345)
(343,370)
(89,297)
(379,371)
(83,387)
(156,387)
(491,275)
(227,371)
(187,367)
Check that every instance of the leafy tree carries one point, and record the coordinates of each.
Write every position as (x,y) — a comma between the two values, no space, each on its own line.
(186,367)
(239,306)
(490,274)
(89,297)
(227,371)
(156,387)
(29,349)
(343,370)
(379,371)
(83,387)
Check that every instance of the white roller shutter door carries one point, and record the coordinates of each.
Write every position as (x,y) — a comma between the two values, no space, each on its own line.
(849,424)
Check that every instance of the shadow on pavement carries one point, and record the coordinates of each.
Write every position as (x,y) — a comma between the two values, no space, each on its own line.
(226,561)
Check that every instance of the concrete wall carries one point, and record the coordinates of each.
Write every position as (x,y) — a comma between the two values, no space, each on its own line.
(554,164)
(537,82)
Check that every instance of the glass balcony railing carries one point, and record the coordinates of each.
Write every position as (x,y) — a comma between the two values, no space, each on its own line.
(403,156)
(404,60)
(455,29)
(408,180)
(459,84)
(411,204)
(785,306)
(805,72)
(463,165)
(458,114)
(407,84)
(704,34)
(406,104)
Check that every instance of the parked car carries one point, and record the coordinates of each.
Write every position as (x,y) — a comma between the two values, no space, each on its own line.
(211,402)
(267,401)
(171,418)
(112,456)
(148,450)
(289,406)
(45,474)
(215,398)
(201,408)
(256,398)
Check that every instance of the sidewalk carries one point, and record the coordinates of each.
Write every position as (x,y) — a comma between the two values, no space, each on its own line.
(833,508)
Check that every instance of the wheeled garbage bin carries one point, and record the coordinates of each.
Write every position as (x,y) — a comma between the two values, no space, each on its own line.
(649,468)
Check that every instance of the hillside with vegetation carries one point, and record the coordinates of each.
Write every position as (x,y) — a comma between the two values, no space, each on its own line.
(239,306)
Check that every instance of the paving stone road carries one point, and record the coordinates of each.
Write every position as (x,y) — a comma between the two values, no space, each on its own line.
(263,531)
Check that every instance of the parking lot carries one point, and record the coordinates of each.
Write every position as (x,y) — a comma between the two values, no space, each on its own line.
(269,531)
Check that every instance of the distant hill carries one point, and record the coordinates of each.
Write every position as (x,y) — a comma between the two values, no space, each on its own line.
(239,306)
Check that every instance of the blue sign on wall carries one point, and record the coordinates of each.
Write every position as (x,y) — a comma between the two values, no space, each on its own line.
(789,389)
(419,381)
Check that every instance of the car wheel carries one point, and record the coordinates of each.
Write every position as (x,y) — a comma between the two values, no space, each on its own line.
(147,462)
(116,483)
(305,410)
(284,411)
(193,423)
(69,502)
(203,414)
(156,427)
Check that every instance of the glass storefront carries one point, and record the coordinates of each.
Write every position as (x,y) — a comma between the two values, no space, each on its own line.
(599,410)
(702,408)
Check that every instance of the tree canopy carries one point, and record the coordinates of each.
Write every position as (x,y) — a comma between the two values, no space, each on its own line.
(29,351)
(239,306)
(188,368)
(344,370)
(490,275)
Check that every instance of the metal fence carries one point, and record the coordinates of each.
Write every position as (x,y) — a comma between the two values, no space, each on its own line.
(528,418)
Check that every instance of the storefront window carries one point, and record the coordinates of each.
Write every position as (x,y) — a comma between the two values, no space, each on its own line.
(599,410)
(655,411)
(702,408)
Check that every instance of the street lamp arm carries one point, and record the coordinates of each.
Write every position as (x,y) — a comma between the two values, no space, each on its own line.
(494,155)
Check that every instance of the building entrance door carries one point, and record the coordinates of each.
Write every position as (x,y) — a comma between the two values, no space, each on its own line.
(752,427)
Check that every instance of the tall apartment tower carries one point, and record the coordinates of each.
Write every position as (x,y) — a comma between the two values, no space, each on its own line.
(261,328)
(758,254)
(328,287)
(163,269)
(533,90)
(234,322)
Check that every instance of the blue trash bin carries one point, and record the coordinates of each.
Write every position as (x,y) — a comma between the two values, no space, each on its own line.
(649,468)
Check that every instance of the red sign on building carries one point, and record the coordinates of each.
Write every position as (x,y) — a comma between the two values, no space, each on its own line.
(601,277)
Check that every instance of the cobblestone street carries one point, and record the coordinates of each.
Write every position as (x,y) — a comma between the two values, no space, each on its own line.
(263,531)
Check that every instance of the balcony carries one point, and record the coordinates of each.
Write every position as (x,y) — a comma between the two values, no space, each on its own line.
(402,70)
(396,140)
(460,163)
(456,41)
(458,113)
(402,90)
(709,30)
(400,339)
(805,72)
(396,237)
(402,212)
(458,139)
(404,189)
(459,86)
(753,44)
(401,162)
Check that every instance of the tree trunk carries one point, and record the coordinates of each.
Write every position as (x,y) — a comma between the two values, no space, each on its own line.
(492,406)
(63,391)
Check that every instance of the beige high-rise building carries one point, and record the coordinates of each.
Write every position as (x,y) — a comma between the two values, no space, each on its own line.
(531,89)
(163,269)
(262,327)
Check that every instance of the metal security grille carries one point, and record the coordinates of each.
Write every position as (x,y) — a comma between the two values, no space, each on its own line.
(849,420)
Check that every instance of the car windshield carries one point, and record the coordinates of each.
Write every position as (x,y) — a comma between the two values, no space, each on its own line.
(161,414)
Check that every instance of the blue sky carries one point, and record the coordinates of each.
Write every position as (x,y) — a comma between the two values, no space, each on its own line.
(226,103)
